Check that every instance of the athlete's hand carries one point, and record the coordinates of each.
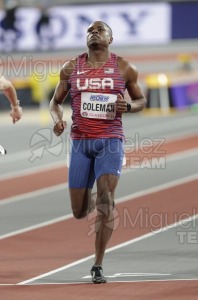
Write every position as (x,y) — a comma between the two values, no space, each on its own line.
(16,113)
(59,127)
(121,104)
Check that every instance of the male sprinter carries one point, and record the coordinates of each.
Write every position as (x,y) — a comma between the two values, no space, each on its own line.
(96,81)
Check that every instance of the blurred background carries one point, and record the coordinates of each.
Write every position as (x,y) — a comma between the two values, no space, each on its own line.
(160,176)
(159,37)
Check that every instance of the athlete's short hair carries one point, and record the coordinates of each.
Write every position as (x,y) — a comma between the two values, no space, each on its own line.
(110,30)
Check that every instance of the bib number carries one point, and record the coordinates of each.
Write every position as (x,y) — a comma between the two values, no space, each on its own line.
(98,106)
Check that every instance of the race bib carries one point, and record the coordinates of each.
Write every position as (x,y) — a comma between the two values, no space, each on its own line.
(98,106)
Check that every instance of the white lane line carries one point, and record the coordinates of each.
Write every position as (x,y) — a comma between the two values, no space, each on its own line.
(47,166)
(109,282)
(8,200)
(57,270)
(158,188)
(33,194)
(121,275)
(157,162)
(37,226)
(132,241)
(31,171)
(182,154)
(119,200)
(153,280)
(22,155)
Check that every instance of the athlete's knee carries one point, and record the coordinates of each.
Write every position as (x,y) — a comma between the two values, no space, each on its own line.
(79,214)
(79,202)
(104,205)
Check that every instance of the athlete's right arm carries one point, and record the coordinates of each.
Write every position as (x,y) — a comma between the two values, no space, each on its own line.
(61,91)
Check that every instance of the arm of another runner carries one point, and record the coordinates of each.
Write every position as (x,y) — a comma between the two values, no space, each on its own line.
(10,92)
(138,100)
(61,91)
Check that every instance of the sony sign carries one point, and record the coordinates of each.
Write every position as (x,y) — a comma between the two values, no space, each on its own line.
(135,23)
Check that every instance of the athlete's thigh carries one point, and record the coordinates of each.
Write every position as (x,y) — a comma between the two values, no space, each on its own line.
(107,184)
(80,201)
(81,169)
(109,159)
(81,179)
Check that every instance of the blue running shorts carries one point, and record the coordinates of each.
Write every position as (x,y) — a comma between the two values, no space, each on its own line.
(91,158)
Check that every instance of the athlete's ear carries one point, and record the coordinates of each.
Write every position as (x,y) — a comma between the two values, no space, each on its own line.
(111,40)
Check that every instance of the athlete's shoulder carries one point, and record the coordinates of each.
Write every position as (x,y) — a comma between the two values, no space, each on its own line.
(127,68)
(70,65)
(68,68)
(124,63)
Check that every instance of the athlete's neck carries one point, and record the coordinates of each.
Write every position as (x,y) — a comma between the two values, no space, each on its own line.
(97,58)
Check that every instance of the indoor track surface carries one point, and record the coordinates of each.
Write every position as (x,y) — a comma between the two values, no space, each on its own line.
(46,254)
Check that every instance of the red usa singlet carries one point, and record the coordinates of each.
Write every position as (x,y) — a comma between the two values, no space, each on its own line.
(93,92)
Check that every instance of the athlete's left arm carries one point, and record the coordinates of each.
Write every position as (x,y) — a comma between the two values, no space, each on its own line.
(10,92)
(130,75)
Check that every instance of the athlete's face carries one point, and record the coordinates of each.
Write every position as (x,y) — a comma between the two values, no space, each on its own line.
(98,34)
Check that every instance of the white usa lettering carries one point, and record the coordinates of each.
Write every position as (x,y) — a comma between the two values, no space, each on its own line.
(94,83)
